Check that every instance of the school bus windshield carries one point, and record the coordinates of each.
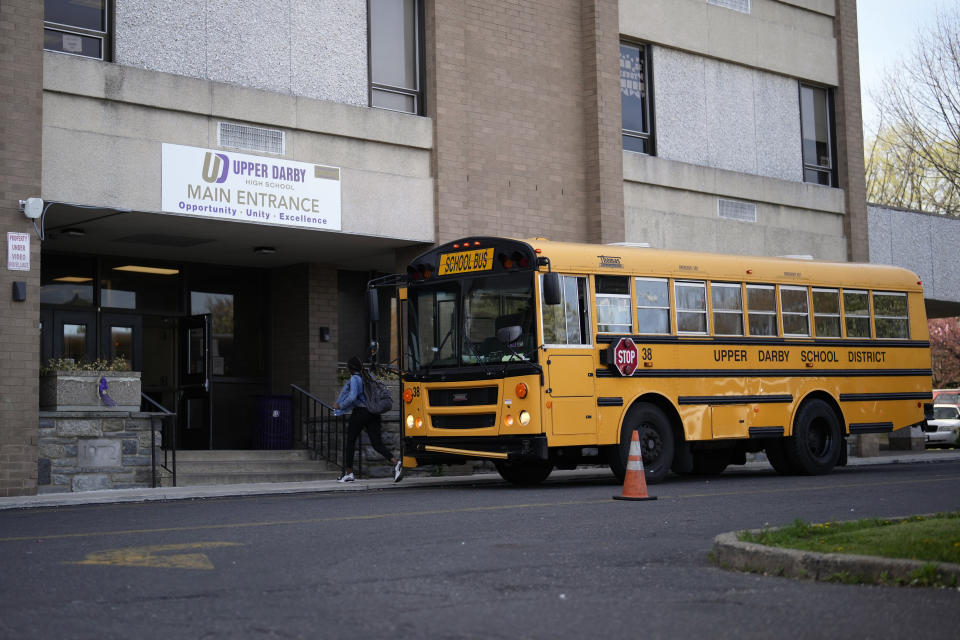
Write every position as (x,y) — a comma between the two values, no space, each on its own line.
(475,321)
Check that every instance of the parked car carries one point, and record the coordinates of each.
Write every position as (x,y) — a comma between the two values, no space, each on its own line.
(944,429)
(946,396)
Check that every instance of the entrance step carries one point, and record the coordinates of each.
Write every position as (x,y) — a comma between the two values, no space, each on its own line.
(195,468)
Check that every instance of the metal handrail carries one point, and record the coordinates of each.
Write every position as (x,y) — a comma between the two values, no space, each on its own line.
(168,441)
(323,432)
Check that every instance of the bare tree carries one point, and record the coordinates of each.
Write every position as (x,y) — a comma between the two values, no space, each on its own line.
(914,160)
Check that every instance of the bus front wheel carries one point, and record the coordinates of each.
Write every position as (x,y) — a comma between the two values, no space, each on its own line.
(814,447)
(524,474)
(656,443)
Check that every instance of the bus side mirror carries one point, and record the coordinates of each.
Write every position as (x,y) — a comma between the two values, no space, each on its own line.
(551,288)
(373,304)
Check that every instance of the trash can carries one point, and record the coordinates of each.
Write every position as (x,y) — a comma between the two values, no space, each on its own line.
(273,427)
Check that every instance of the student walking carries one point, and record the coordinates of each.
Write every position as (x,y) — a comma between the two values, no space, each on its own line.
(352,399)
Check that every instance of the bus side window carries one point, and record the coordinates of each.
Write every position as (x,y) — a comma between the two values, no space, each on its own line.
(568,323)
(890,315)
(762,309)
(613,304)
(856,313)
(691,299)
(826,313)
(653,305)
(727,309)
(795,310)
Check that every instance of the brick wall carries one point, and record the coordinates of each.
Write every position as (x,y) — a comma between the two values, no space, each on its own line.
(525,100)
(322,312)
(21,103)
(849,128)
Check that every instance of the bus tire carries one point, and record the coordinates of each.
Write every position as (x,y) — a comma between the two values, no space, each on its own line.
(656,442)
(777,456)
(524,474)
(814,447)
(710,463)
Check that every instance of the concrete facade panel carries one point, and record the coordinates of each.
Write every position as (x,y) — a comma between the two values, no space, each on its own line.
(792,39)
(726,116)
(927,244)
(312,49)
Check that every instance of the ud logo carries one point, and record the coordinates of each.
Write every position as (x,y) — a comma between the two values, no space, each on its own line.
(610,261)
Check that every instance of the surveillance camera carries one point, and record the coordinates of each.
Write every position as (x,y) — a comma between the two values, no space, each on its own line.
(32,207)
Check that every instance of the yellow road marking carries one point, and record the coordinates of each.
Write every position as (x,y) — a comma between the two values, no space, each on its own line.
(435,512)
(152,556)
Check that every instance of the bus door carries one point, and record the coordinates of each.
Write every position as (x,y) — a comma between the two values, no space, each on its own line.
(572,392)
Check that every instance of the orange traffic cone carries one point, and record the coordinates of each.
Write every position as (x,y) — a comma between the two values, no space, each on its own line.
(635,482)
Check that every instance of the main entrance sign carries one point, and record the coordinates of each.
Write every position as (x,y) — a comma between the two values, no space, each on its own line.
(237,186)
(625,356)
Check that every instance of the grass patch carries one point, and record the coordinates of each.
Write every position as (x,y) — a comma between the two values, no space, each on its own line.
(927,538)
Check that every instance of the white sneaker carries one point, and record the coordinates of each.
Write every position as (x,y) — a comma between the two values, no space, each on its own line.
(398,471)
(348,477)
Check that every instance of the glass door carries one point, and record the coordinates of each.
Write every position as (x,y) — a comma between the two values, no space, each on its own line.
(195,383)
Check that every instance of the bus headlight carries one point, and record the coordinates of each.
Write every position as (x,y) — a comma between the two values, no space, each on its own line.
(524,418)
(409,421)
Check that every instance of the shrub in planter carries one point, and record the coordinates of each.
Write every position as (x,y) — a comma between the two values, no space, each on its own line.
(101,385)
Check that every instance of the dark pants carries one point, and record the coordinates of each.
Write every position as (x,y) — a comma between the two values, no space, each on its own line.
(360,418)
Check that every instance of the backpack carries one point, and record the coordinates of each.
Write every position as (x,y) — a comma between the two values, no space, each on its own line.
(377,393)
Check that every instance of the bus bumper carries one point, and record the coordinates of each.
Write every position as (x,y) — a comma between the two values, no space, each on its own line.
(456,450)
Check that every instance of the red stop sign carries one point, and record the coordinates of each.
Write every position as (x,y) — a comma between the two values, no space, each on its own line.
(625,356)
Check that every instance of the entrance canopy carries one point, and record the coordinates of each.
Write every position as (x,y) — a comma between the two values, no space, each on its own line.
(104,231)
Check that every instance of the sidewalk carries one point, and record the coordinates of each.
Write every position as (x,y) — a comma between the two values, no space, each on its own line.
(328,486)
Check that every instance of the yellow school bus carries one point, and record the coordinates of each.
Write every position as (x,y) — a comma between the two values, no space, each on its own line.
(538,355)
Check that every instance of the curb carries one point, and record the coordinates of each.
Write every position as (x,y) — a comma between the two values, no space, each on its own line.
(731,553)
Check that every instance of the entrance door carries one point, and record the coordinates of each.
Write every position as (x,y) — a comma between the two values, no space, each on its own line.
(75,335)
(196,383)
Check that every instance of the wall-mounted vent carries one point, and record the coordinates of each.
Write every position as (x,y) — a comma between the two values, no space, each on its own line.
(743,6)
(240,136)
(736,210)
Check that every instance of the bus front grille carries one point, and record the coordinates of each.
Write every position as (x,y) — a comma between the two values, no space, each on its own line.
(469,421)
(466,397)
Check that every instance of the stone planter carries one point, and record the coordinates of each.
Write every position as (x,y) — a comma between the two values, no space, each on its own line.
(78,391)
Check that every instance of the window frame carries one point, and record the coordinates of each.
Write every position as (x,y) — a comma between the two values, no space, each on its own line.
(105,37)
(784,314)
(868,315)
(648,137)
(750,311)
(702,285)
(585,310)
(729,312)
(419,92)
(876,316)
(838,315)
(665,308)
(829,170)
(628,297)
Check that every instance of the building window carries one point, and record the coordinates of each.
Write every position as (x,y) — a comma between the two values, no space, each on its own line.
(395,75)
(816,130)
(77,27)
(635,98)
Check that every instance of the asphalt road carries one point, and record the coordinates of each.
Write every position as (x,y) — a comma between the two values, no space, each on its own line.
(562,560)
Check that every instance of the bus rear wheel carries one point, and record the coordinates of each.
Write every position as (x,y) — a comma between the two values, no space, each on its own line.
(814,447)
(524,474)
(656,443)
